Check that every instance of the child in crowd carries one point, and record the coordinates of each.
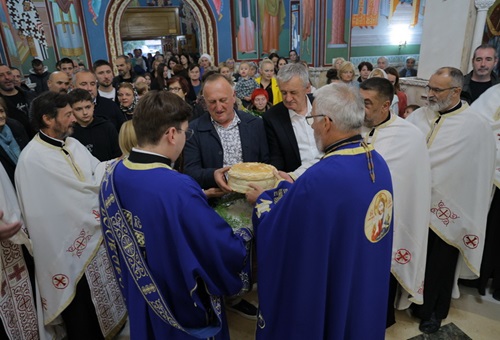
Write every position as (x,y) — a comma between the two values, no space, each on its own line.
(97,134)
(246,84)
(409,109)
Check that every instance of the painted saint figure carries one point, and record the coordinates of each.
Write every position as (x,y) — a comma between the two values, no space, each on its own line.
(26,20)
(67,28)
(245,22)
(272,18)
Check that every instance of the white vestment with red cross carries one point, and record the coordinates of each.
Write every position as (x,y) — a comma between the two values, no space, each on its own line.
(17,306)
(57,190)
(403,147)
(488,107)
(462,152)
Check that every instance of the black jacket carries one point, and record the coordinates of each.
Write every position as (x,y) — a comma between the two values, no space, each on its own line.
(18,108)
(283,147)
(108,109)
(40,80)
(203,153)
(100,138)
(22,140)
(466,90)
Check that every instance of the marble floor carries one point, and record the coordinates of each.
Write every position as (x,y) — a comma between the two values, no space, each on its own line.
(471,317)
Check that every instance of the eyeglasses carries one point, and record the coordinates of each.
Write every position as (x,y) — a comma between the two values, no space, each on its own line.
(310,119)
(174,89)
(437,90)
(188,132)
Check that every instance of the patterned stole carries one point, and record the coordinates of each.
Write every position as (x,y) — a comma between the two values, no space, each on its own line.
(17,306)
(122,245)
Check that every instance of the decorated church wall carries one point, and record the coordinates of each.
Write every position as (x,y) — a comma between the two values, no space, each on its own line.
(42,29)
(241,29)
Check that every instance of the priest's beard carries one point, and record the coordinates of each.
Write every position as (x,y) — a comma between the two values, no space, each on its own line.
(440,105)
(62,132)
(319,143)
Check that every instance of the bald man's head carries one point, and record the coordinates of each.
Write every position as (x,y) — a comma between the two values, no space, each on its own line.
(58,82)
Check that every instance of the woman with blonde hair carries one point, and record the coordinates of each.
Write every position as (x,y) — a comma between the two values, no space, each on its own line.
(337,62)
(346,74)
(378,72)
(127,138)
(127,98)
(268,82)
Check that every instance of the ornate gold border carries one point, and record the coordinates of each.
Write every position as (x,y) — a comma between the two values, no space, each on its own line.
(201,10)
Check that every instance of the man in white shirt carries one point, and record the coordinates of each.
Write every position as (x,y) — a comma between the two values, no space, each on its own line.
(104,75)
(292,147)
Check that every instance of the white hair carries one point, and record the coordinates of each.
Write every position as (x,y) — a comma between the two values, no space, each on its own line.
(343,104)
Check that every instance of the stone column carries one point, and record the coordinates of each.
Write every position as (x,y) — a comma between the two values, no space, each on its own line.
(482,7)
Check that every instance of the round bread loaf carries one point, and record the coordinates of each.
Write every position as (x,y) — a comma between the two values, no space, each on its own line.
(241,174)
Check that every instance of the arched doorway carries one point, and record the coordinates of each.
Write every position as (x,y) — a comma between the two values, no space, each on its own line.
(207,28)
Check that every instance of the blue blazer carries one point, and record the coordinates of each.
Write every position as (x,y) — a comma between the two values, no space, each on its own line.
(203,153)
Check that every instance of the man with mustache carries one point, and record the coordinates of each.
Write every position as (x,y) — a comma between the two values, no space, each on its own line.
(462,154)
(125,72)
(104,75)
(482,76)
(58,82)
(70,261)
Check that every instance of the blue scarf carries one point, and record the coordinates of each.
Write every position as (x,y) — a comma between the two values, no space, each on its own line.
(9,144)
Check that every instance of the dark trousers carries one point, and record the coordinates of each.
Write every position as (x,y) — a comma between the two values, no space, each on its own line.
(490,264)
(391,315)
(80,316)
(439,276)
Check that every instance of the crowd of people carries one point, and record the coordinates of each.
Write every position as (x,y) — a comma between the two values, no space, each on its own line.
(109,182)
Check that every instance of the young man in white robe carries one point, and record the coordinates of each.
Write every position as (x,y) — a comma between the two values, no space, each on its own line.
(57,181)
(17,305)
(462,153)
(404,149)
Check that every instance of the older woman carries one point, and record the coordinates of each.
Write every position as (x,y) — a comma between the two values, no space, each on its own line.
(346,74)
(13,139)
(259,102)
(127,97)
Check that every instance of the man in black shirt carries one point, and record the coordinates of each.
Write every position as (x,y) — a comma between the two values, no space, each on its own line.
(125,72)
(482,76)
(18,102)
